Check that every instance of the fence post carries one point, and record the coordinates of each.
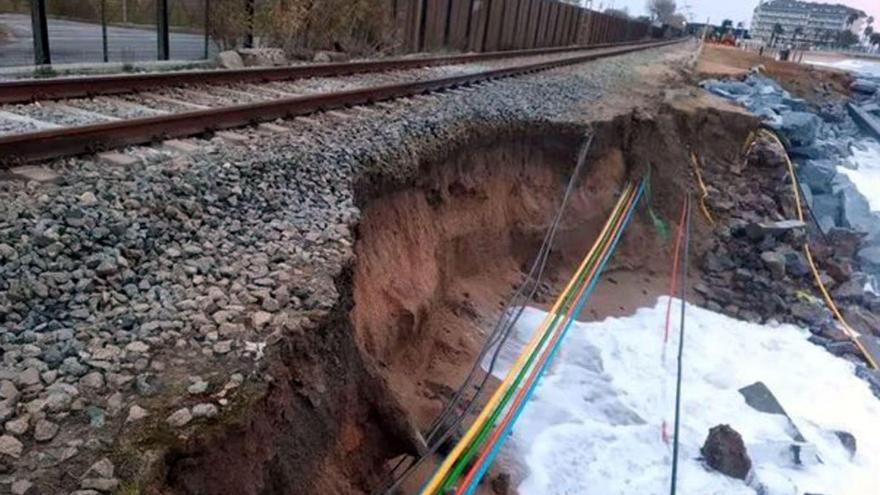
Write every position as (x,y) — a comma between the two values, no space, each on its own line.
(249,13)
(41,33)
(207,25)
(162,28)
(104,30)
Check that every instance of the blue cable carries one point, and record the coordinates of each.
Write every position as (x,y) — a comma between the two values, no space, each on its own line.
(578,307)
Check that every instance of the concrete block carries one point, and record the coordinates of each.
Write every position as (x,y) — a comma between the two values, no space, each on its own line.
(34,173)
(180,146)
(368,111)
(338,115)
(232,137)
(115,159)
(307,121)
(273,128)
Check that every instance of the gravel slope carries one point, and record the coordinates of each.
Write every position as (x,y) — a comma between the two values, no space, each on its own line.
(152,291)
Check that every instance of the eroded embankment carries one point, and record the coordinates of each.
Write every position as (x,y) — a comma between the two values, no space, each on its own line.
(436,256)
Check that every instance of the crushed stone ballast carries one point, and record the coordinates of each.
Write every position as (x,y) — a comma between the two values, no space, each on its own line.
(53,143)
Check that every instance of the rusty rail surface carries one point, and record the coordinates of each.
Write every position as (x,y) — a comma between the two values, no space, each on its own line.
(72,87)
(55,143)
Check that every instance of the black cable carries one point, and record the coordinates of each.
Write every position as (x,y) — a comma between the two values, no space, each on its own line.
(809,208)
(504,326)
(684,271)
(498,336)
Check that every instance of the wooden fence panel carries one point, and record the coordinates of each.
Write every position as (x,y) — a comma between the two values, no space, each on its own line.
(489,25)
(459,18)
(552,19)
(496,18)
(591,29)
(572,26)
(435,24)
(577,28)
(520,35)
(533,23)
(408,24)
(479,18)
(508,26)
(542,22)
(561,19)
(564,21)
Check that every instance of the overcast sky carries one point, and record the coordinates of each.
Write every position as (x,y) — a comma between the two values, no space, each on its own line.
(718,10)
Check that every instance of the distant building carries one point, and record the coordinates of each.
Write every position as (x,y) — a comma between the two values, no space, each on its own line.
(819,23)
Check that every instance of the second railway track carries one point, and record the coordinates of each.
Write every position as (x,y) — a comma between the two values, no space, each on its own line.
(134,124)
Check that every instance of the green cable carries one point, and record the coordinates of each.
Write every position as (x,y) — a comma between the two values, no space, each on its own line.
(463,461)
(659,225)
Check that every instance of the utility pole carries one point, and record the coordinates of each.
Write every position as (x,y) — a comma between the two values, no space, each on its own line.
(41,33)
(162,28)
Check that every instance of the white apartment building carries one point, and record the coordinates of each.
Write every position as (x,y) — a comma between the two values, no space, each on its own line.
(819,23)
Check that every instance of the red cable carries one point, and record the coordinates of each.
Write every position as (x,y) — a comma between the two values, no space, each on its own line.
(521,393)
(673,284)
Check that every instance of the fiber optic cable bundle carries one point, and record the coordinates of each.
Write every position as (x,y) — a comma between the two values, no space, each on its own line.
(467,463)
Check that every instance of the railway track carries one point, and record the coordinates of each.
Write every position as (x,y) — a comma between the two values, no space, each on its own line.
(130,110)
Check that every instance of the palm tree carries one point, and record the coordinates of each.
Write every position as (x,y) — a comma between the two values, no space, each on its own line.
(797,32)
(778,31)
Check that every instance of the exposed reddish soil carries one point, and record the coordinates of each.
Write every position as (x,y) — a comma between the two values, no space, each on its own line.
(435,259)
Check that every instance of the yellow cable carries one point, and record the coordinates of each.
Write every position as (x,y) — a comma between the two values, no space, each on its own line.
(847,329)
(794,183)
(704,193)
(475,427)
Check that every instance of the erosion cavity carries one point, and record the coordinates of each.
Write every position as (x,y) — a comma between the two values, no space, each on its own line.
(436,256)
(437,259)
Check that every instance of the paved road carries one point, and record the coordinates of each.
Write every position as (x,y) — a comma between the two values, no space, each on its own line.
(80,42)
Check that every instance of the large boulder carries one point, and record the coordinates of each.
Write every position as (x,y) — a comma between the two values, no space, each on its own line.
(327,56)
(230,59)
(818,174)
(800,128)
(826,207)
(869,257)
(855,210)
(725,452)
(863,86)
(727,89)
(766,152)
(262,57)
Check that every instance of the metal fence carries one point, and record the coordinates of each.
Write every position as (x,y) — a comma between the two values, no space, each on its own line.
(88,31)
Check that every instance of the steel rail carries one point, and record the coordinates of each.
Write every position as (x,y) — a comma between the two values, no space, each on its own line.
(71,87)
(53,143)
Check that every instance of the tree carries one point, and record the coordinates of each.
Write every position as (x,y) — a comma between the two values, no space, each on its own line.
(798,31)
(869,30)
(846,38)
(875,39)
(778,31)
(661,10)
(726,24)
(853,17)
(624,12)
(677,21)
